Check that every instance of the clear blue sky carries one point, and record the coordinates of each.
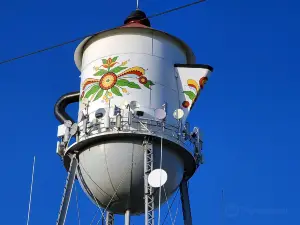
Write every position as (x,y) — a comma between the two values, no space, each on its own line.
(249,111)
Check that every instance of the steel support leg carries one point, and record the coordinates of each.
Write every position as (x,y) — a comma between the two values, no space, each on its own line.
(185,202)
(127,217)
(67,192)
(109,218)
(148,195)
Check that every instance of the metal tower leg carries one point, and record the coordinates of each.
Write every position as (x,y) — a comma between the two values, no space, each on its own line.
(127,217)
(148,195)
(185,202)
(109,218)
(67,192)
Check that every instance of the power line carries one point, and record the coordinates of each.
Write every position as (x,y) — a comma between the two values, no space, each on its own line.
(77,205)
(170,207)
(83,37)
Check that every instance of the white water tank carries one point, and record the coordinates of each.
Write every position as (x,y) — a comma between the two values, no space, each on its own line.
(133,63)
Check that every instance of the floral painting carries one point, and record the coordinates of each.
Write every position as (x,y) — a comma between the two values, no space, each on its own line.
(112,79)
(193,92)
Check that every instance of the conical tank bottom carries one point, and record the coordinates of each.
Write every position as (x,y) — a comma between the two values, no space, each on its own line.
(113,173)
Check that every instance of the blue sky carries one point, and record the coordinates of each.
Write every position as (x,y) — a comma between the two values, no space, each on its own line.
(249,111)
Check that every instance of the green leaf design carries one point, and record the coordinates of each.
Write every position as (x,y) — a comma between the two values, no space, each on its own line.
(148,84)
(122,82)
(93,90)
(133,85)
(118,69)
(126,83)
(116,91)
(190,94)
(100,72)
(115,58)
(99,95)
(104,61)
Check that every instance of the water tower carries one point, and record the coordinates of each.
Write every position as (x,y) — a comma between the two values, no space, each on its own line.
(138,86)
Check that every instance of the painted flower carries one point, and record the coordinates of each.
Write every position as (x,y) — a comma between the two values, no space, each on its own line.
(191,94)
(185,104)
(194,91)
(193,84)
(109,63)
(108,80)
(203,81)
(112,81)
(143,79)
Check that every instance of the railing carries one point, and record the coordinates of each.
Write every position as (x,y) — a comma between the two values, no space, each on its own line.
(136,125)
(133,124)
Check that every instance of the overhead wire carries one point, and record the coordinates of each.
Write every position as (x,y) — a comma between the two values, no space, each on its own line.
(177,209)
(132,164)
(96,201)
(170,206)
(95,215)
(169,209)
(77,205)
(92,34)
(112,197)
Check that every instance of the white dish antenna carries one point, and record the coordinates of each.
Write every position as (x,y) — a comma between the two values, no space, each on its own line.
(80,116)
(85,101)
(134,105)
(100,113)
(68,123)
(157,178)
(124,105)
(74,129)
(160,114)
(178,114)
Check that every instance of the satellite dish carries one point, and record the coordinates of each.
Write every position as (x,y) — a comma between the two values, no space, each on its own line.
(160,114)
(100,113)
(68,123)
(134,105)
(157,178)
(85,101)
(178,114)
(124,105)
(74,129)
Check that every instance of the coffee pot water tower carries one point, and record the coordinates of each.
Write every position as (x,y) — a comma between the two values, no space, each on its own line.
(138,86)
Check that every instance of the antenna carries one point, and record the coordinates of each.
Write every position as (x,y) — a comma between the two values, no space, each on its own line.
(137,4)
(30,196)
(157,178)
(222,208)
(160,114)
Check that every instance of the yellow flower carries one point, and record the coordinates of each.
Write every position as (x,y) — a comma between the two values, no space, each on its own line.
(124,63)
(96,68)
(124,90)
(108,80)
(193,84)
(105,99)
(109,94)
(109,63)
